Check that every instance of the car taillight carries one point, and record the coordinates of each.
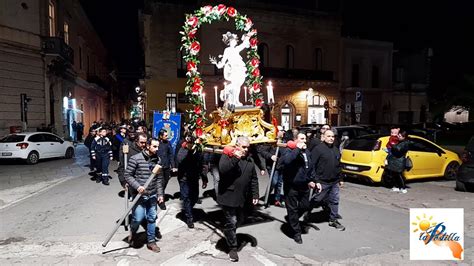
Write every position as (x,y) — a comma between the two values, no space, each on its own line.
(22,145)
(377,145)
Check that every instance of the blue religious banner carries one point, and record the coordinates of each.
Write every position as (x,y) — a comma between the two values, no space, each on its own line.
(171,123)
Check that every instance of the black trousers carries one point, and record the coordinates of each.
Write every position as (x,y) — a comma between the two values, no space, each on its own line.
(396,178)
(166,177)
(297,202)
(233,217)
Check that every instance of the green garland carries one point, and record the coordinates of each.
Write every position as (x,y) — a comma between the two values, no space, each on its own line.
(194,85)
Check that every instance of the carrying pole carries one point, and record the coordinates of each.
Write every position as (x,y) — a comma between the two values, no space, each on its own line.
(269,185)
(155,171)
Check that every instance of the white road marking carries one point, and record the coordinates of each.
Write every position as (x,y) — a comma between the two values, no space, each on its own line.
(264,260)
(15,195)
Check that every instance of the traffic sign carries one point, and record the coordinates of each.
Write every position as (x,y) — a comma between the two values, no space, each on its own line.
(348,107)
(358,118)
(358,96)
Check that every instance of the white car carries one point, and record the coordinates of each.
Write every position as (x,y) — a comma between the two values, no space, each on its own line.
(32,146)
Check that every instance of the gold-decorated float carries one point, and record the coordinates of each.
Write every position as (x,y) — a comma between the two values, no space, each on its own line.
(227,126)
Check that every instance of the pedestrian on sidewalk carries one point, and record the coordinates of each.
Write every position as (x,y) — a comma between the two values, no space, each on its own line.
(237,176)
(137,173)
(298,175)
(118,140)
(396,162)
(88,144)
(190,169)
(101,151)
(326,162)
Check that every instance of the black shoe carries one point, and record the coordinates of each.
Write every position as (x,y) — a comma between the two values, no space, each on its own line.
(304,228)
(233,256)
(190,225)
(93,178)
(106,182)
(162,206)
(98,180)
(298,239)
(336,224)
(158,233)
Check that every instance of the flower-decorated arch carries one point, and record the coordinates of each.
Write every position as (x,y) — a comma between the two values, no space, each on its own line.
(191,48)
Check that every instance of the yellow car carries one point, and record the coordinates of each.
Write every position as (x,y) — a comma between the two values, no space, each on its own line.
(364,158)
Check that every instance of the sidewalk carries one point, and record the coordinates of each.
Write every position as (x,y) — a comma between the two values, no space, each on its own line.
(19,180)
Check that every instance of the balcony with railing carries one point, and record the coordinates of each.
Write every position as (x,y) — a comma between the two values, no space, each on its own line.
(57,46)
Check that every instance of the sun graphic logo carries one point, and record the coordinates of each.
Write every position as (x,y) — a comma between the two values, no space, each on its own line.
(423,224)
(442,239)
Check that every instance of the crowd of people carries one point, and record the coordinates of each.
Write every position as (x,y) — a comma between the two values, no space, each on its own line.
(306,174)
(305,170)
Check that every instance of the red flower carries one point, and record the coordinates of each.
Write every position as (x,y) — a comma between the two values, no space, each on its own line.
(192,33)
(253,42)
(256,87)
(254,62)
(195,47)
(191,66)
(197,80)
(258,102)
(199,122)
(198,132)
(197,110)
(221,9)
(192,21)
(248,24)
(196,88)
(256,72)
(231,12)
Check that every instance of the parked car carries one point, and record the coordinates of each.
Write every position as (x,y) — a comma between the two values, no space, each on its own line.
(353,131)
(364,158)
(313,127)
(465,177)
(33,146)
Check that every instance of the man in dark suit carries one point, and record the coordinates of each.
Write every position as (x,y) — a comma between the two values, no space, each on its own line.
(238,174)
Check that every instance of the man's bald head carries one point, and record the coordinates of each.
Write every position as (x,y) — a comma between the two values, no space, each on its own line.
(328,136)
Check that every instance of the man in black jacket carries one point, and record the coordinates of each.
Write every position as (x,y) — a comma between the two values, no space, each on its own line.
(165,152)
(298,176)
(237,174)
(190,169)
(137,173)
(133,148)
(326,161)
(88,144)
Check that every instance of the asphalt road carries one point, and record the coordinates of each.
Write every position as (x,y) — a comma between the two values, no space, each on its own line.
(66,221)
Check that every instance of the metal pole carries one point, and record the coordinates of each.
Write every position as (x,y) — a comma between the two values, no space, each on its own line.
(155,171)
(125,162)
(267,192)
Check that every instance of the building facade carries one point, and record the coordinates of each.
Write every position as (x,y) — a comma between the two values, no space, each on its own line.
(53,67)
(299,50)
(366,84)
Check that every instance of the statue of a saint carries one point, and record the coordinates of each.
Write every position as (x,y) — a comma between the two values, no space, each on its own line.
(234,67)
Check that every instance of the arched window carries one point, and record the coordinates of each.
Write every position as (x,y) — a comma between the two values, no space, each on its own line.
(263,53)
(318,59)
(286,116)
(290,56)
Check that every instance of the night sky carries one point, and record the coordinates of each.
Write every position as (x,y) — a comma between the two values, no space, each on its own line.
(444,26)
